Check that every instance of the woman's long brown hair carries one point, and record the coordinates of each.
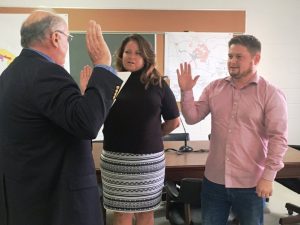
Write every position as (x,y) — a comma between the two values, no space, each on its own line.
(150,75)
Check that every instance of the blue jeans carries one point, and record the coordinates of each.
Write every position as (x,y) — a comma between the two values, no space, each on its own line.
(217,202)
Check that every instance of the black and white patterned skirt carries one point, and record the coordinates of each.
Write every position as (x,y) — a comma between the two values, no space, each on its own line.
(132,182)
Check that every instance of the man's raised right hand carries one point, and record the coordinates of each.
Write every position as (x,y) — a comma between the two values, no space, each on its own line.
(96,45)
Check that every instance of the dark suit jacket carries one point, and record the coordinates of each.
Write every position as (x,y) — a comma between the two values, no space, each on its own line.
(47,173)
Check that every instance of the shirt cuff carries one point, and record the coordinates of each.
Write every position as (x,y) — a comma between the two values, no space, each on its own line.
(269,175)
(109,68)
(187,95)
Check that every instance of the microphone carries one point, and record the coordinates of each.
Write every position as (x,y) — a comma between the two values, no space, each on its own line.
(185,148)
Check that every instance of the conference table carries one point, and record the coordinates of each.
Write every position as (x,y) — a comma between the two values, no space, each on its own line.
(192,164)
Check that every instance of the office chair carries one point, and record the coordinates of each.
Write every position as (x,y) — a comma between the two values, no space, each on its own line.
(176,137)
(294,185)
(291,219)
(183,204)
(183,199)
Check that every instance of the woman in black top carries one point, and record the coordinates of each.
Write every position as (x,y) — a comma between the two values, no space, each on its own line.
(132,162)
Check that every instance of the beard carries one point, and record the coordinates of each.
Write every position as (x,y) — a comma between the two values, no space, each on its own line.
(240,74)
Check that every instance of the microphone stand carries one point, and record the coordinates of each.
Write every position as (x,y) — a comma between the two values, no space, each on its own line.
(185,147)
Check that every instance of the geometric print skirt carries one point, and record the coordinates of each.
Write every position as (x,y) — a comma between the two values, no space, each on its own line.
(132,182)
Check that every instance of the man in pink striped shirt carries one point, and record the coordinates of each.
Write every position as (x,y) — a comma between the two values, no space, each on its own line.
(248,134)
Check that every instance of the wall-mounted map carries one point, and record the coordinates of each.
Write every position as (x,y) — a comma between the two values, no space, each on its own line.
(6,58)
(206,52)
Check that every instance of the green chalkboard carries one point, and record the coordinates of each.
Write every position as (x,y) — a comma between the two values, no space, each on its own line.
(78,52)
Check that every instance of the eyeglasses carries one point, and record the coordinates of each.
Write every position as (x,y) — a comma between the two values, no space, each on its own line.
(69,36)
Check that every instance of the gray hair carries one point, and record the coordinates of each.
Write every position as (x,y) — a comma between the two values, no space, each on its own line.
(38,30)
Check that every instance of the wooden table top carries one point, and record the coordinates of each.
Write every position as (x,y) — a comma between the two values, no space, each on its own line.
(193,163)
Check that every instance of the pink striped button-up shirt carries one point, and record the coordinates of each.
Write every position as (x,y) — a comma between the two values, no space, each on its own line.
(248,130)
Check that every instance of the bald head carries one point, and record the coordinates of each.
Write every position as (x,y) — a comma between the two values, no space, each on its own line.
(37,26)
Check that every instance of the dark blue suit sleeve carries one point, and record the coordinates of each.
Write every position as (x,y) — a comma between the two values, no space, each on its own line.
(58,98)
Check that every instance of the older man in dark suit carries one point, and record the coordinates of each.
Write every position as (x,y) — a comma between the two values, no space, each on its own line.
(47,173)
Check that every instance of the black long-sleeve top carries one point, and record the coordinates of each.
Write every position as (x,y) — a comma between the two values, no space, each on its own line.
(134,122)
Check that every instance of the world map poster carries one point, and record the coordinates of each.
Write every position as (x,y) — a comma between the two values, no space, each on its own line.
(206,52)
(10,39)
